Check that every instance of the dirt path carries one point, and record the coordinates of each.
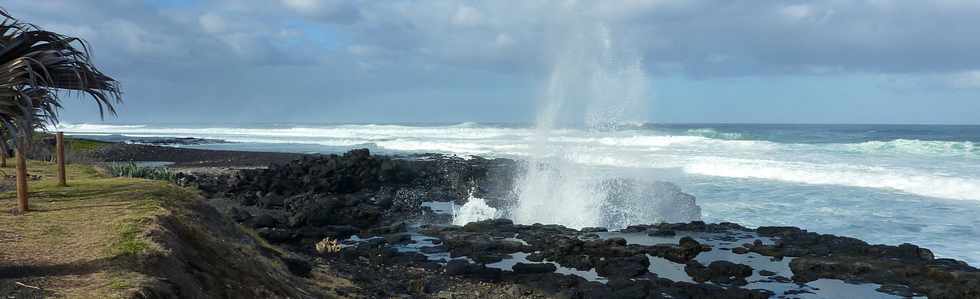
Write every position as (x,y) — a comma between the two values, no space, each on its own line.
(75,240)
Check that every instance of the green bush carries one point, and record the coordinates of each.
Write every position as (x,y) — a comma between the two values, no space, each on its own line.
(135,171)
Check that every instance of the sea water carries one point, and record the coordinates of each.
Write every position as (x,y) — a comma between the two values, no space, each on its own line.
(886,184)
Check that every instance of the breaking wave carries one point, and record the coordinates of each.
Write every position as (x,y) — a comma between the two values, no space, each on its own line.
(910,181)
(712,133)
(943,169)
(918,147)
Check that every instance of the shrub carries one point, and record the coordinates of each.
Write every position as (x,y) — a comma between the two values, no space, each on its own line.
(133,170)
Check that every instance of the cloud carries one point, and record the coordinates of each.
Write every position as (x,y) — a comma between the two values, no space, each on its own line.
(212,23)
(965,80)
(467,16)
(690,37)
(330,11)
(236,54)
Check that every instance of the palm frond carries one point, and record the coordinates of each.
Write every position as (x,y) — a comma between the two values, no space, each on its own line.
(37,67)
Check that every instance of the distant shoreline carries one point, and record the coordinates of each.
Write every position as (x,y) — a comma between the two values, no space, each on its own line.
(184,157)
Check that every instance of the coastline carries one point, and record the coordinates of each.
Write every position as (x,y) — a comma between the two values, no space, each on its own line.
(392,241)
(408,233)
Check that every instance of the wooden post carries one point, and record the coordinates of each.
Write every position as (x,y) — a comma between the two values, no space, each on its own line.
(60,140)
(21,180)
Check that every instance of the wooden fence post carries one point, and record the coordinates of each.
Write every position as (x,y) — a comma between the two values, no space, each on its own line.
(21,179)
(62,177)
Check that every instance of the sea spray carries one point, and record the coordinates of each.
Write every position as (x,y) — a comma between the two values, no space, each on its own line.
(598,82)
(475,209)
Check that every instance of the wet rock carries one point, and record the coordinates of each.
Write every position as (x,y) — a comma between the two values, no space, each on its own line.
(488,225)
(298,266)
(276,235)
(489,257)
(898,290)
(622,266)
(593,229)
(635,229)
(796,292)
(740,250)
(730,269)
(239,215)
(464,268)
(626,288)
(773,231)
(525,268)
(721,272)
(662,233)
(432,249)
(688,242)
(616,242)
(264,220)
(399,238)
(781,279)
(271,201)
(340,231)
(766,273)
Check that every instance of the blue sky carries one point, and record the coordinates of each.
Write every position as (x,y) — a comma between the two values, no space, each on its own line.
(873,61)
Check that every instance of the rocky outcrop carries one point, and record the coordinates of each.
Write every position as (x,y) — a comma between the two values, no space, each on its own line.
(829,256)
(299,203)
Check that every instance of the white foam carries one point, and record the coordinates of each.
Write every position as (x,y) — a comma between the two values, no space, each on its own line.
(475,209)
(918,147)
(942,169)
(910,181)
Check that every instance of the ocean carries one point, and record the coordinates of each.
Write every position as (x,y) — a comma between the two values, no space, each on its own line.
(888,184)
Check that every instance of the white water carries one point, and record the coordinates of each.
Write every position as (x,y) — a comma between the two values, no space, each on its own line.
(594,71)
(903,190)
(916,167)
(475,209)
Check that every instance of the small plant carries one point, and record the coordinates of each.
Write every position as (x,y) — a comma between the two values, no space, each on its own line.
(136,171)
(327,245)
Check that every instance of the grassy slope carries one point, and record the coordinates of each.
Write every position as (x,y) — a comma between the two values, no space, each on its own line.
(103,237)
(77,240)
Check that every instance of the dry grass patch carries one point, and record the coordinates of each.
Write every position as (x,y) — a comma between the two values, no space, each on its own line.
(80,240)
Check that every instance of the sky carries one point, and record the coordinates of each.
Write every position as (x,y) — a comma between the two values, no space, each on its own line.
(763,61)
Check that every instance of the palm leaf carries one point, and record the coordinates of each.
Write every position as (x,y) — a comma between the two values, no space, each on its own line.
(37,67)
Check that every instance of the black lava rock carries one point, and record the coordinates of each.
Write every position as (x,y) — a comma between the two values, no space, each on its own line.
(525,268)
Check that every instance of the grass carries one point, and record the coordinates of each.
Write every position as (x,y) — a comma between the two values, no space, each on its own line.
(135,171)
(92,239)
(83,145)
(78,241)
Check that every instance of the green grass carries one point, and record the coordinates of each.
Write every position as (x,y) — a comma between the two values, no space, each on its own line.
(135,171)
(83,145)
(119,284)
(129,241)
(97,221)
(97,237)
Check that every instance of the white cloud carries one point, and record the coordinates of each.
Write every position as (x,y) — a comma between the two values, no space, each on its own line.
(467,16)
(361,50)
(797,11)
(965,80)
(331,11)
(212,23)
(302,5)
(503,40)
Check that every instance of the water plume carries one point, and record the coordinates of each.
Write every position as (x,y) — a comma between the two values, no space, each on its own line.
(599,82)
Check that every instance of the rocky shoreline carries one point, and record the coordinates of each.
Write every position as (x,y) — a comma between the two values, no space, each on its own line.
(378,215)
